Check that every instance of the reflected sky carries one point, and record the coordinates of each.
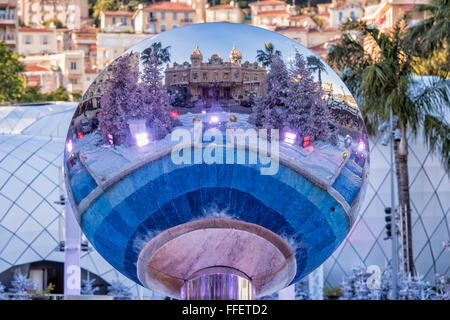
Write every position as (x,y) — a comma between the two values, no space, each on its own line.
(220,37)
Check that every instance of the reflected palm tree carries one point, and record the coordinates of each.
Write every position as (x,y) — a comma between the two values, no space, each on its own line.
(156,50)
(265,56)
(316,65)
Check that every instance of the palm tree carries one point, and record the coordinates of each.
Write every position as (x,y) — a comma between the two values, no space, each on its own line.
(156,50)
(433,32)
(265,56)
(386,83)
(316,65)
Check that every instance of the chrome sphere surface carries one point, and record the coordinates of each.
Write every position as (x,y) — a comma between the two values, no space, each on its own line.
(216,145)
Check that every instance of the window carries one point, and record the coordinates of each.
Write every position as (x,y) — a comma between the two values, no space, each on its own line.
(340,15)
(30,8)
(113,20)
(174,16)
(163,27)
(45,39)
(42,18)
(205,76)
(73,65)
(174,26)
(352,15)
(124,21)
(27,39)
(42,8)
(163,16)
(186,17)
(195,75)
(236,75)
(74,81)
(55,7)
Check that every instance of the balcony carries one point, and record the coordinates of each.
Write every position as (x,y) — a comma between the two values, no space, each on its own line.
(8,38)
(10,3)
(186,21)
(7,19)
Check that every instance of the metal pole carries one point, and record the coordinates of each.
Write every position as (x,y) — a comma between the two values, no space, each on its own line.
(394,219)
(218,283)
(72,271)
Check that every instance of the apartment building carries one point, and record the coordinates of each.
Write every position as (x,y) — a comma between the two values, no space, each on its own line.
(116,21)
(70,12)
(309,37)
(387,13)
(343,11)
(86,39)
(46,77)
(163,16)
(270,13)
(225,13)
(35,41)
(70,63)
(8,23)
(111,45)
(199,7)
(303,20)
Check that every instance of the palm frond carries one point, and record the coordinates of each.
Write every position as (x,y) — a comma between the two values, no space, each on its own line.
(437,135)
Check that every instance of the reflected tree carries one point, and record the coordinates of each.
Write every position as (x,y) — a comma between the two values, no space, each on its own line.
(266,55)
(156,50)
(316,65)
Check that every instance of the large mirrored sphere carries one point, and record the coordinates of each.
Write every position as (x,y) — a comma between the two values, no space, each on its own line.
(216,145)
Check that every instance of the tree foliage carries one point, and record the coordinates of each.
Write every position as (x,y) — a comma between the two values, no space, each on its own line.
(156,50)
(11,81)
(134,96)
(292,101)
(266,55)
(433,33)
(32,94)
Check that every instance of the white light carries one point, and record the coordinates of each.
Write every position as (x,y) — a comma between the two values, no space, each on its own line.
(289,137)
(141,139)
(214,119)
(361,146)
(69,146)
(203,111)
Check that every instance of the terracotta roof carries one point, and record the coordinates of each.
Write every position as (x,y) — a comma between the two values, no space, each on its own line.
(266,2)
(87,30)
(90,69)
(321,46)
(272,13)
(292,28)
(222,6)
(169,6)
(118,13)
(36,30)
(35,68)
(298,17)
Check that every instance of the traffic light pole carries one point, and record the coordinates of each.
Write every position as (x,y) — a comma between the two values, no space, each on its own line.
(394,262)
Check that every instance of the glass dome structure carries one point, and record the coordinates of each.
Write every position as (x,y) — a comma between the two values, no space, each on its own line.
(32,140)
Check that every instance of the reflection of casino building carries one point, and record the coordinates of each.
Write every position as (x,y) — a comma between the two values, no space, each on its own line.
(215,80)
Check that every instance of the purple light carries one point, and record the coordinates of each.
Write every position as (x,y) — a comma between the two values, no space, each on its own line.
(69,146)
(290,137)
(361,146)
(141,139)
